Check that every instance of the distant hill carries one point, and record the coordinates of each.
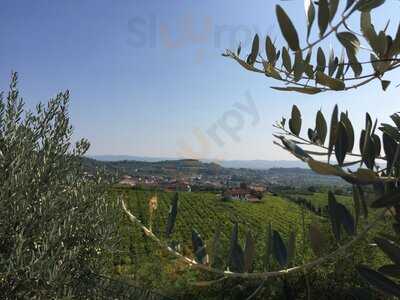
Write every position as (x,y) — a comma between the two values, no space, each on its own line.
(237,164)
(129,157)
(294,176)
(164,167)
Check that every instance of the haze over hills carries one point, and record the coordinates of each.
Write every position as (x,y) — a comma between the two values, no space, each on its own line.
(237,164)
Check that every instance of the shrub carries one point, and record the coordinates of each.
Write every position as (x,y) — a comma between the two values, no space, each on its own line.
(56,225)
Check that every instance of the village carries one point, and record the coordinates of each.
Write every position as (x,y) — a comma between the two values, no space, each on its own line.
(227,187)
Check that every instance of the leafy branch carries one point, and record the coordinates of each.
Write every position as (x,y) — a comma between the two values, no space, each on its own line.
(328,72)
(341,143)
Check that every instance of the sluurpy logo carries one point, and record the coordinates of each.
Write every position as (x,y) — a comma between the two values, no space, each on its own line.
(189,30)
(228,127)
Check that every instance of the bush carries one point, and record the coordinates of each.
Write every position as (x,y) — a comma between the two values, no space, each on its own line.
(56,225)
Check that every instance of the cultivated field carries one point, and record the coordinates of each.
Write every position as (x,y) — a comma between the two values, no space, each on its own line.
(141,259)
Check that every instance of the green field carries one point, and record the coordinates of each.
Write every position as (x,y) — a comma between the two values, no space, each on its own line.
(141,259)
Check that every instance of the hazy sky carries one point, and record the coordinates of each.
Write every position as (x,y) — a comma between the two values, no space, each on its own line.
(147,78)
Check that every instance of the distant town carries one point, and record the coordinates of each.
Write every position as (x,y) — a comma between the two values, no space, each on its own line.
(230,189)
(192,175)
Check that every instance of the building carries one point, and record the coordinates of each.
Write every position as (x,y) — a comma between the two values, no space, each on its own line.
(242,194)
(258,188)
(128,180)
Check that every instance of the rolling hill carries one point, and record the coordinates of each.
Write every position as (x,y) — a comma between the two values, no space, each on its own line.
(259,164)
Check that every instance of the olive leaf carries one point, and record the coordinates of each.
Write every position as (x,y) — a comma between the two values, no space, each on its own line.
(367,5)
(325,168)
(251,59)
(332,63)
(333,129)
(368,31)
(323,16)
(311,135)
(291,247)
(396,119)
(390,249)
(349,131)
(377,144)
(366,175)
(363,201)
(341,144)
(215,246)
(321,61)
(249,252)
(199,249)
(391,131)
(334,215)
(317,239)
(279,248)
(295,121)
(368,151)
(236,255)
(357,204)
(346,219)
(387,200)
(268,248)
(359,197)
(379,281)
(321,127)
(270,50)
(333,83)
(349,41)
(298,66)
(390,270)
(333,6)
(172,215)
(340,67)
(389,147)
(286,60)
(310,14)
(287,28)
(303,90)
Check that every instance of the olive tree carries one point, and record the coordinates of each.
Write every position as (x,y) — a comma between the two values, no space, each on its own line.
(328,149)
(57,227)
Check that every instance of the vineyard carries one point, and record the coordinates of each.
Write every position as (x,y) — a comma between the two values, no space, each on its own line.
(320,199)
(141,259)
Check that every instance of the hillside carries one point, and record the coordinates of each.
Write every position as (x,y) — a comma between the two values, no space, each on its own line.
(166,167)
(142,260)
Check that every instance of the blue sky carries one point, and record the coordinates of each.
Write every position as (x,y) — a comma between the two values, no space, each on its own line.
(147,78)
